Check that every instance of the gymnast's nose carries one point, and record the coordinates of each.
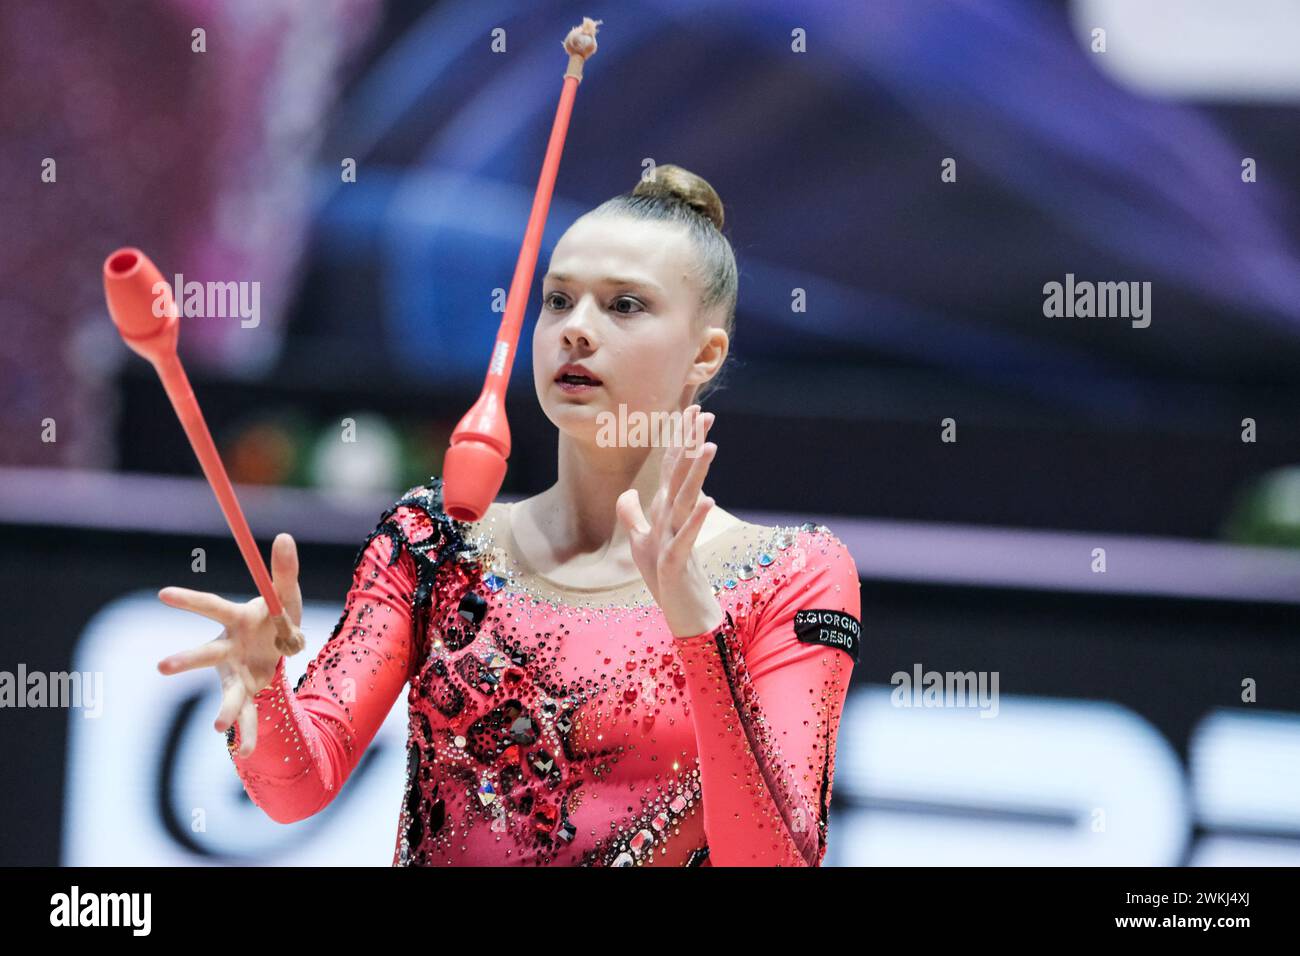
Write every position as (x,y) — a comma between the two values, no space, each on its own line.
(577,330)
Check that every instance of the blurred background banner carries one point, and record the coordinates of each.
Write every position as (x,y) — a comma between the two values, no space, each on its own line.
(1094,517)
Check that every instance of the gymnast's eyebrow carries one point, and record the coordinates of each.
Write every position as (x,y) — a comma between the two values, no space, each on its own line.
(609,280)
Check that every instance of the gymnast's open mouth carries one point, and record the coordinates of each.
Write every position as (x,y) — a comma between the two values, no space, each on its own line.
(573,377)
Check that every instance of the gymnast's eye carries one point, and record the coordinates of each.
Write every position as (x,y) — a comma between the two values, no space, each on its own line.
(549,301)
(640,307)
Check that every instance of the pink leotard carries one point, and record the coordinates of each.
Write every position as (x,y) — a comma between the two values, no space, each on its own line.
(553,725)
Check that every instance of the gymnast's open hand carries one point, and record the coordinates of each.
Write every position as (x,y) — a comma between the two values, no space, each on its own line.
(663,542)
(244,654)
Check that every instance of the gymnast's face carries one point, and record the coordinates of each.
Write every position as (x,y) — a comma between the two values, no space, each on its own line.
(621,297)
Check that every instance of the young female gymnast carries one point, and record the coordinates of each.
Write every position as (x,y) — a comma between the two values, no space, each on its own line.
(589,683)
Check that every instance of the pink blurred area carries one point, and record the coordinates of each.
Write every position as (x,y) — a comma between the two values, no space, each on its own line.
(201,159)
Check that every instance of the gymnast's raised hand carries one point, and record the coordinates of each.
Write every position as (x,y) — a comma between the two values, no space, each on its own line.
(663,542)
(244,654)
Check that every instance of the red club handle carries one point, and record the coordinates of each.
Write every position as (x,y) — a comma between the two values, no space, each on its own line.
(144,311)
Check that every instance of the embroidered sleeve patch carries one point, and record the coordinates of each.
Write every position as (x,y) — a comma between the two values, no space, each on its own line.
(832,628)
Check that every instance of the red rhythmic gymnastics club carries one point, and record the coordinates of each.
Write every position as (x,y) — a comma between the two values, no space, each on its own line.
(144,311)
(475,464)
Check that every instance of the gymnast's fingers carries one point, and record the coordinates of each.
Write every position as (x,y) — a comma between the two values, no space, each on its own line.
(668,464)
(692,449)
(688,496)
(706,423)
(684,540)
(284,575)
(628,509)
(210,654)
(232,698)
(201,602)
(681,462)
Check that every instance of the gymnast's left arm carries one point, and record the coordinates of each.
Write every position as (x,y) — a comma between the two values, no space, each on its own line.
(767,691)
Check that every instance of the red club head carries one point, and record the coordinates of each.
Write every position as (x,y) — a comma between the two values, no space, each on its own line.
(475,464)
(141,304)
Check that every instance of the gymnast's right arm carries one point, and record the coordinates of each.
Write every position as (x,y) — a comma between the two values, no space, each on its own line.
(294,749)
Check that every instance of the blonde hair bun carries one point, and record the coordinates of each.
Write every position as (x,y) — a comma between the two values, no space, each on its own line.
(684,186)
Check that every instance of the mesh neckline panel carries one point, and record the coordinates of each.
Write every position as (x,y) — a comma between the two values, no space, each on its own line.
(738,554)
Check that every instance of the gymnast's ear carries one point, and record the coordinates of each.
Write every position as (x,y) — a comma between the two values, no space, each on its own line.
(713,346)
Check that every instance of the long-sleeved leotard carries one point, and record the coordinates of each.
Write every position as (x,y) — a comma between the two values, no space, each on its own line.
(552,725)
